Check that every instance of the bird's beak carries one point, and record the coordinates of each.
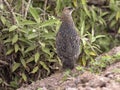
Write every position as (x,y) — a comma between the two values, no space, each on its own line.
(72,10)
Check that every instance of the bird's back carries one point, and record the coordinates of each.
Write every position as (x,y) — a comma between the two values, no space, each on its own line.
(67,44)
(67,40)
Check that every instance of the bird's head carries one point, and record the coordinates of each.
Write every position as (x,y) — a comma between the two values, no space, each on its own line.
(67,10)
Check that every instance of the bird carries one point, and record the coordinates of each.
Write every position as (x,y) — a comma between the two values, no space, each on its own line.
(67,40)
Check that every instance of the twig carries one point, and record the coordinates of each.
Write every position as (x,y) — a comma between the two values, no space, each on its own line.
(23,6)
(11,11)
(45,7)
(27,8)
(3,62)
(1,4)
(43,11)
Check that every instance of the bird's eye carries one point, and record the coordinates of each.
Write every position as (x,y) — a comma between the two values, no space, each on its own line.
(70,8)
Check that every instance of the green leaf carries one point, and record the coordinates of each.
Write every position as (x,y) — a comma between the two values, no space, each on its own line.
(82,28)
(2,6)
(99,36)
(84,41)
(92,53)
(37,55)
(118,15)
(12,28)
(14,83)
(84,61)
(45,66)
(80,68)
(119,30)
(39,88)
(49,35)
(42,44)
(23,31)
(3,19)
(83,2)
(49,22)
(35,14)
(85,7)
(15,39)
(58,5)
(27,22)
(16,46)
(7,40)
(75,3)
(29,60)
(25,40)
(94,15)
(112,1)
(9,51)
(32,36)
(30,48)
(87,11)
(23,62)
(1,81)
(15,66)
(24,77)
(112,24)
(87,52)
(46,50)
(35,69)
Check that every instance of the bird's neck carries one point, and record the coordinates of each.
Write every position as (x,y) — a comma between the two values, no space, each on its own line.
(67,19)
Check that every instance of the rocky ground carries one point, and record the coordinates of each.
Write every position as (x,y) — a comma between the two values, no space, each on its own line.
(109,79)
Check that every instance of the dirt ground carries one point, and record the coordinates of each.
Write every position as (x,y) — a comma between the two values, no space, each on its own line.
(109,79)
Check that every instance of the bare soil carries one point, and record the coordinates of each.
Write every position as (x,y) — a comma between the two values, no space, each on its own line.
(109,79)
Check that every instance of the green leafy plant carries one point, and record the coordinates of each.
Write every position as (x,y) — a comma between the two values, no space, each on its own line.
(28,30)
(103,61)
(29,47)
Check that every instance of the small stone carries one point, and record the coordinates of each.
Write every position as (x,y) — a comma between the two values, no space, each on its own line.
(71,88)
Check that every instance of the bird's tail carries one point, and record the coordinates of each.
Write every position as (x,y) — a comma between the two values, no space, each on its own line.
(68,64)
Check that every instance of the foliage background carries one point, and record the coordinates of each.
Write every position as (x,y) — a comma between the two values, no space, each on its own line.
(28,29)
